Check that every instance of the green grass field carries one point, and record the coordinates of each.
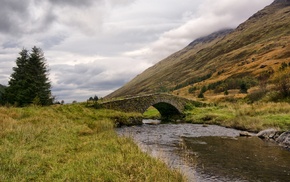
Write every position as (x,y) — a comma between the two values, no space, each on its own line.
(72,143)
(151,113)
(77,143)
(253,117)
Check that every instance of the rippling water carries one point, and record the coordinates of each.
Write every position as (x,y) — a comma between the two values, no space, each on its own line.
(212,153)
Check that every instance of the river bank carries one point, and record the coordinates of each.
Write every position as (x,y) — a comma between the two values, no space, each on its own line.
(72,143)
(77,143)
(211,152)
(270,119)
(257,117)
(247,117)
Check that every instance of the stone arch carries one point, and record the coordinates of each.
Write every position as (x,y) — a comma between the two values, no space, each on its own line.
(169,106)
(166,109)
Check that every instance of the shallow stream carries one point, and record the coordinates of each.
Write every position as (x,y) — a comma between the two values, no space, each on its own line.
(212,153)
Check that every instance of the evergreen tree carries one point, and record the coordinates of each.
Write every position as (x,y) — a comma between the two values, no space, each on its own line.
(2,91)
(14,92)
(29,83)
(37,75)
(96,98)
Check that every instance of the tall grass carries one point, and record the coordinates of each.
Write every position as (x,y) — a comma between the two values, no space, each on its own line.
(72,143)
(252,117)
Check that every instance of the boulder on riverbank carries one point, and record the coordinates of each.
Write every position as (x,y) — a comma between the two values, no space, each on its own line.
(269,134)
(282,139)
(246,134)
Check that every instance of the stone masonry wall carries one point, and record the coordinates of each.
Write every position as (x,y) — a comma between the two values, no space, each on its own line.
(141,103)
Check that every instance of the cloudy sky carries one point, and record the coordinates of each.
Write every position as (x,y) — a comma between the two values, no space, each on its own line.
(93,47)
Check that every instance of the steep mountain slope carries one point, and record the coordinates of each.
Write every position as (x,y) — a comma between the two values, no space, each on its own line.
(261,43)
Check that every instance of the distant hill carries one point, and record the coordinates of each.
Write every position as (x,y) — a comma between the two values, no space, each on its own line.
(261,44)
(210,38)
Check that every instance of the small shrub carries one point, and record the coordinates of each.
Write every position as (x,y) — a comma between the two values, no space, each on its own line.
(232,83)
(243,88)
(200,95)
(283,66)
(192,90)
(282,82)
(189,107)
(256,96)
(203,89)
(230,99)
(226,92)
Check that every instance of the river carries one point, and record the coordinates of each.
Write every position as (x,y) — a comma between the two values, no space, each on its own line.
(212,153)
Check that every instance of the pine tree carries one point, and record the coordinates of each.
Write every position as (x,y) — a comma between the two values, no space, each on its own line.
(37,75)
(29,83)
(2,91)
(14,92)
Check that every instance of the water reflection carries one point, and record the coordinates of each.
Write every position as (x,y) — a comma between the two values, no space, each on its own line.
(240,159)
(213,153)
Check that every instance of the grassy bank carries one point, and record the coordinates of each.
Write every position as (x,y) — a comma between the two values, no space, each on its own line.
(252,117)
(72,143)
(151,113)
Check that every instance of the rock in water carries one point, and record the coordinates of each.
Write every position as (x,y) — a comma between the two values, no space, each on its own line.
(245,134)
(268,134)
(273,134)
(284,139)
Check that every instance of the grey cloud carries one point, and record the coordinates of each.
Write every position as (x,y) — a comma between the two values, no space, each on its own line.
(84,91)
(121,2)
(11,14)
(76,3)
(77,74)
(18,18)
(81,88)
(91,78)
(5,70)
(52,40)
(101,85)
(211,16)
(10,44)
(33,16)
(44,22)
(108,44)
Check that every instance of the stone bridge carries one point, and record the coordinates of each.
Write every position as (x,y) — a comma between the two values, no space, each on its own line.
(168,105)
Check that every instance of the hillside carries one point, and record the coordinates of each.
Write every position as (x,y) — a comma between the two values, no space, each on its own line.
(261,44)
